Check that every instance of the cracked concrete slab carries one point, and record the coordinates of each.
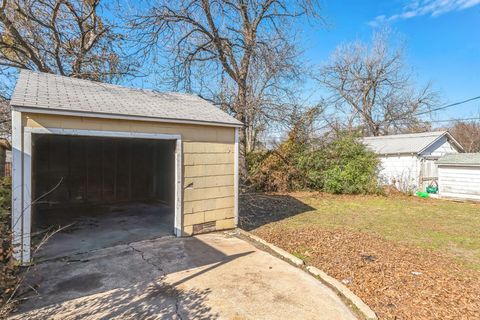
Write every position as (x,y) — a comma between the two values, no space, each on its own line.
(210,276)
(104,226)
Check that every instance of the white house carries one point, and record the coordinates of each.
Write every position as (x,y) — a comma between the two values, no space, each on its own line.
(408,161)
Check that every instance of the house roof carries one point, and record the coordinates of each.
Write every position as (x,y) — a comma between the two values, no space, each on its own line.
(412,143)
(48,93)
(460,159)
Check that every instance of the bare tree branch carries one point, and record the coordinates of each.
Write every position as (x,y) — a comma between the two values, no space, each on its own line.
(66,37)
(213,47)
(467,134)
(374,88)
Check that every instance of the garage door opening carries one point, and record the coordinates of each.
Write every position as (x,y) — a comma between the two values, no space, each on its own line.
(120,189)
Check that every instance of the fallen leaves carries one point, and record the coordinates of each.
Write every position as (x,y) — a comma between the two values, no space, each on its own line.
(397,281)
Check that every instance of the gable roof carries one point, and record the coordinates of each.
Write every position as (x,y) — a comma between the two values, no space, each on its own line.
(47,93)
(469,159)
(411,143)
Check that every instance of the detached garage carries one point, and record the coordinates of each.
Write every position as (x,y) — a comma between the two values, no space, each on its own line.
(83,148)
(459,176)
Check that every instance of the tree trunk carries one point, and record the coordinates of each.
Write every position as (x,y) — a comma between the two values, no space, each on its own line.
(242,134)
(242,161)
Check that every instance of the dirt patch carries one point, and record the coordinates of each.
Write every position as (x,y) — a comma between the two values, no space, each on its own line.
(397,281)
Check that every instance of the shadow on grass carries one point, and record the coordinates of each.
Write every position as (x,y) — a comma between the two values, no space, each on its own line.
(258,209)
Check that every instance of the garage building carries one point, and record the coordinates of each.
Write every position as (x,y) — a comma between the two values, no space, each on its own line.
(459,176)
(86,147)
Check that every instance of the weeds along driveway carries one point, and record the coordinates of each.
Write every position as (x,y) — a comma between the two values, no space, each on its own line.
(211,276)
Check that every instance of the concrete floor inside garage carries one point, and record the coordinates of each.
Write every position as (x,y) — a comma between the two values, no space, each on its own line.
(98,227)
(99,192)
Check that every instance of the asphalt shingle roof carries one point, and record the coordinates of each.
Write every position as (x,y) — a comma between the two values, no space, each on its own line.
(460,158)
(57,93)
(402,143)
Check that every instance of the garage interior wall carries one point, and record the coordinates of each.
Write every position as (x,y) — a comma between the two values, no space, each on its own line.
(100,170)
(208,173)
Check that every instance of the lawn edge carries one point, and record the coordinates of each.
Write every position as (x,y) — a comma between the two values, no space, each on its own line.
(284,254)
(360,306)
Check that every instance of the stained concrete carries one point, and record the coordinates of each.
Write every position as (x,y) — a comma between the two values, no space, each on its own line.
(211,276)
(103,226)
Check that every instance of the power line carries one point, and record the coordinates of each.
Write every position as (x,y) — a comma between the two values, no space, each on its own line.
(448,120)
(448,106)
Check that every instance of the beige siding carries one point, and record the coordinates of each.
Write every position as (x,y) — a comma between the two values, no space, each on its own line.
(204,205)
(208,162)
(210,181)
(208,170)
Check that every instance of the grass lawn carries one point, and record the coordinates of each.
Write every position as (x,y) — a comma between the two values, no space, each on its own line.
(450,227)
(408,258)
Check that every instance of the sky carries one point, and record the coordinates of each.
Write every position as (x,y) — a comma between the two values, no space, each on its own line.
(442,40)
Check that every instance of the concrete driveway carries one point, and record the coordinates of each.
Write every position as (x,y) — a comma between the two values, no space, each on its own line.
(211,276)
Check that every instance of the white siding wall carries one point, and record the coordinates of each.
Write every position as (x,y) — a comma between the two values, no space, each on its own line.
(440,148)
(402,170)
(436,150)
(459,182)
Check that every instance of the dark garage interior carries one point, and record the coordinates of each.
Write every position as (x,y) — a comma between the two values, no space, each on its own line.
(125,185)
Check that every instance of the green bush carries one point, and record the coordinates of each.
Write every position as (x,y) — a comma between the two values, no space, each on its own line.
(351,168)
(8,270)
(350,179)
(314,164)
(5,196)
(342,166)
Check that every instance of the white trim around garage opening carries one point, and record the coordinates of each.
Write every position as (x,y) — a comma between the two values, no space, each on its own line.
(17,188)
(178,187)
(236,178)
(21,191)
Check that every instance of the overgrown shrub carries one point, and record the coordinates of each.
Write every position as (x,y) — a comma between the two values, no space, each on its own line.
(342,165)
(351,168)
(277,169)
(8,270)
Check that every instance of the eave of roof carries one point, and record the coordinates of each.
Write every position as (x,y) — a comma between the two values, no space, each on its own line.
(449,137)
(372,143)
(458,164)
(460,159)
(116,116)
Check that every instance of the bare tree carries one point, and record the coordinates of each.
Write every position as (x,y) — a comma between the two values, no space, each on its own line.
(216,43)
(272,93)
(373,88)
(66,37)
(5,119)
(467,134)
